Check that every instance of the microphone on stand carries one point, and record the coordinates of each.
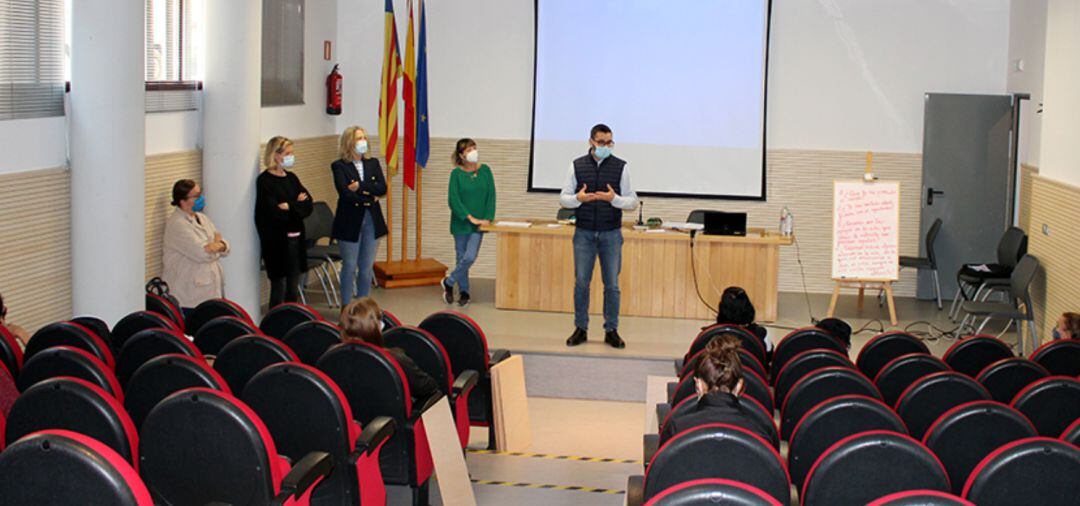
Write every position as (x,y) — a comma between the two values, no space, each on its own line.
(640,211)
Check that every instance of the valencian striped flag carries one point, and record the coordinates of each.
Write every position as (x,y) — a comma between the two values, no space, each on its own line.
(408,93)
(388,113)
(422,141)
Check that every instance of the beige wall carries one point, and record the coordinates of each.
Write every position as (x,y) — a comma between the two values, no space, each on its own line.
(1056,289)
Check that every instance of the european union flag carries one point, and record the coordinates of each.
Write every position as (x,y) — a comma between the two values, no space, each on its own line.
(423,146)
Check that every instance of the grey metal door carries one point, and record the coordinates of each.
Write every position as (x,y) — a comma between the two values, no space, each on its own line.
(965,181)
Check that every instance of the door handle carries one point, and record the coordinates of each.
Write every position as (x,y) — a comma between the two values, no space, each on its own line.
(930,192)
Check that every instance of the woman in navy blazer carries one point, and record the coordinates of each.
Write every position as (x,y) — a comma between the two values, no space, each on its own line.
(358,222)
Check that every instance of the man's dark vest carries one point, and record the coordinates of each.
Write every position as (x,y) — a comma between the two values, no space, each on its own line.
(598,215)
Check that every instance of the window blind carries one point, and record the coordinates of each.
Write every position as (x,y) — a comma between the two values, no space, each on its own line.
(31,58)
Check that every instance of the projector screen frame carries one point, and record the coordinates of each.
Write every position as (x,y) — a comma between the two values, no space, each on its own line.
(764,122)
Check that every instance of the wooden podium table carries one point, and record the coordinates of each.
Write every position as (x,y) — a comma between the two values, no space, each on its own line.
(535,270)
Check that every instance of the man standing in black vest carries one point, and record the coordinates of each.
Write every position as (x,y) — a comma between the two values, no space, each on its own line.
(598,186)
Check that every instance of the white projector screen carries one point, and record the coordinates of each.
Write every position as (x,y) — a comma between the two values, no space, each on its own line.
(681,83)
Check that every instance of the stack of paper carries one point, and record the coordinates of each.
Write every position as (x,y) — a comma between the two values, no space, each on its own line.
(513,224)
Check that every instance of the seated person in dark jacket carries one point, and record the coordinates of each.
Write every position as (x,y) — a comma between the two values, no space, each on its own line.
(838,328)
(361,320)
(736,309)
(719,381)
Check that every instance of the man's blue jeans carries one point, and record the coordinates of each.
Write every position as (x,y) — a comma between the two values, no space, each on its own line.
(588,245)
(467,246)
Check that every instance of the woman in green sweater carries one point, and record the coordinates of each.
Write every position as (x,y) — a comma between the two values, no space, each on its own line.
(472,203)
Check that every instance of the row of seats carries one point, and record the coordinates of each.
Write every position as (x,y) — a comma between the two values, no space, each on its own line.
(71,380)
(964,408)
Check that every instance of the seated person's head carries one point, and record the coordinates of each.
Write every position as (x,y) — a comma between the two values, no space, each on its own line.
(361,320)
(838,328)
(3,310)
(735,307)
(1068,326)
(719,369)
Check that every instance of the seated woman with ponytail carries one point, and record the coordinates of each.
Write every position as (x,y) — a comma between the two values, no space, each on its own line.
(719,381)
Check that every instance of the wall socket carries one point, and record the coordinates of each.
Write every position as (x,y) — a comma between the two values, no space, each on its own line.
(1046,229)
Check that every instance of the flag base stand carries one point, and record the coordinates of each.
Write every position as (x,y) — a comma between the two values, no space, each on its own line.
(406,273)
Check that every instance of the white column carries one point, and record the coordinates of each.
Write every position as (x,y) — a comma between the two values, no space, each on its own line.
(107,148)
(231,107)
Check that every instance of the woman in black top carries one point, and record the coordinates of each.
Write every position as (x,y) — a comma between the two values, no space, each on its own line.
(719,381)
(362,320)
(736,309)
(281,204)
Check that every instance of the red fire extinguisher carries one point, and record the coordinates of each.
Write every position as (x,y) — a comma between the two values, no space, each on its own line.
(333,92)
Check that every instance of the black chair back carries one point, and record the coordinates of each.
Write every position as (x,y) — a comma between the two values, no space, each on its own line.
(803,364)
(972,354)
(691,455)
(425,351)
(1060,357)
(319,224)
(921,498)
(467,346)
(74,405)
(798,341)
(1072,433)
(150,343)
(389,320)
(98,327)
(831,421)
(762,415)
(966,434)
(32,465)
(758,389)
(902,371)
(1050,403)
(713,491)
(749,341)
(68,361)
(1012,247)
(932,395)
(167,306)
(310,340)
(883,348)
(931,238)
(69,334)
(10,352)
(211,309)
(818,386)
(163,376)
(243,358)
(213,335)
(1005,378)
(869,465)
(138,321)
(746,357)
(280,320)
(1036,470)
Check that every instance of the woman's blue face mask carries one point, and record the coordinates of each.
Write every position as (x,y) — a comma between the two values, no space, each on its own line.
(199,205)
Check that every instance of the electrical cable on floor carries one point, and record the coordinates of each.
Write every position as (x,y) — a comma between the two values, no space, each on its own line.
(933,332)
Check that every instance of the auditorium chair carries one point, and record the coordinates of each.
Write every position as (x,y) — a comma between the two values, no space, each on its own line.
(971,283)
(203,446)
(375,386)
(883,348)
(1036,470)
(1072,433)
(755,387)
(831,421)
(10,352)
(310,340)
(389,320)
(818,386)
(99,328)
(68,361)
(61,468)
(134,322)
(430,356)
(966,434)
(749,341)
(244,357)
(211,309)
(746,358)
(70,334)
(213,335)
(971,355)
(1005,378)
(921,498)
(162,376)
(150,343)
(1060,357)
(280,391)
(167,306)
(902,371)
(932,395)
(798,341)
(283,317)
(803,364)
(713,491)
(467,346)
(8,391)
(665,413)
(691,454)
(869,465)
(78,406)
(1052,404)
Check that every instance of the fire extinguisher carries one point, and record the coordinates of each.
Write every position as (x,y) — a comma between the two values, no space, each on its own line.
(333,92)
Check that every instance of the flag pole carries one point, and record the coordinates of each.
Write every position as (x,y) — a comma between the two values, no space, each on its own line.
(389,216)
(404,221)
(419,211)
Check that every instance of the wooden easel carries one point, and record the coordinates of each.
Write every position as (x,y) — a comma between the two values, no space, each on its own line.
(862,284)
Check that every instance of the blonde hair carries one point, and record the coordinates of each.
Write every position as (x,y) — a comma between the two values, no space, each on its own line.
(275,145)
(347,143)
(361,320)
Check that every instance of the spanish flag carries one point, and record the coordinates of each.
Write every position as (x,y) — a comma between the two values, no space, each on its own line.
(408,92)
(391,71)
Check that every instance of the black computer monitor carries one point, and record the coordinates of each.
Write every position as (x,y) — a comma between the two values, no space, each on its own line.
(721,223)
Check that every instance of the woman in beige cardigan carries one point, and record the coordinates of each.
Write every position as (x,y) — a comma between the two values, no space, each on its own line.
(191,249)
